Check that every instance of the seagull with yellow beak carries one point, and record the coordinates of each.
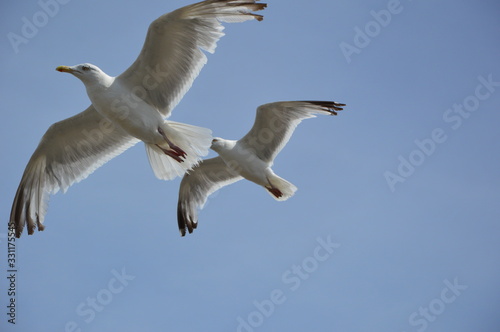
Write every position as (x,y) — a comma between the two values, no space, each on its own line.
(129,108)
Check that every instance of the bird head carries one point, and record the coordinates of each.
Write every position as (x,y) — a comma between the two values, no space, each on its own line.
(219,144)
(86,72)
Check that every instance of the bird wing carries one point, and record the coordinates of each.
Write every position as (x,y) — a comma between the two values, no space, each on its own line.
(69,151)
(275,123)
(206,178)
(172,55)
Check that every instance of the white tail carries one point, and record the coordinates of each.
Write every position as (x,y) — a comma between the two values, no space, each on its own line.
(193,140)
(280,189)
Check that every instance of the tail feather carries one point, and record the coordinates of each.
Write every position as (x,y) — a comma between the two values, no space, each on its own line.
(164,167)
(193,140)
(280,189)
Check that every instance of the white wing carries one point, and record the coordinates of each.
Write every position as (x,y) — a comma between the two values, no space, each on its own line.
(172,55)
(69,151)
(275,123)
(206,178)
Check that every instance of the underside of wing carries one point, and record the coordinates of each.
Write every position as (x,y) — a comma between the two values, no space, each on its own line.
(275,123)
(69,151)
(206,178)
(172,55)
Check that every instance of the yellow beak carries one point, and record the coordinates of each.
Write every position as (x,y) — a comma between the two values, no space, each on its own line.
(64,69)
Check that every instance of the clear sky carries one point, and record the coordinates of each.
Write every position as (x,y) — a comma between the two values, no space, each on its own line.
(395,226)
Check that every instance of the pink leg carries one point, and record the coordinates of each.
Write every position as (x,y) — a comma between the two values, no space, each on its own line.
(275,191)
(176,152)
(171,153)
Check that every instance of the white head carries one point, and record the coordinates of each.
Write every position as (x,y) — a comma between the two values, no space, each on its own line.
(87,73)
(220,144)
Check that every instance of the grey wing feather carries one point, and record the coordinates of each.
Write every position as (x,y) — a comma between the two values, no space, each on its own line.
(172,55)
(69,151)
(275,123)
(203,180)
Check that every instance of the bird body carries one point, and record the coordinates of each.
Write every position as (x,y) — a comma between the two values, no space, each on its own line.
(241,160)
(115,101)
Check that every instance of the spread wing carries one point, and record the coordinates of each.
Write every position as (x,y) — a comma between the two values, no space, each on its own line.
(275,123)
(172,55)
(206,178)
(69,151)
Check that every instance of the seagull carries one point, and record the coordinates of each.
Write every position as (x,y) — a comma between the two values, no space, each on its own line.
(131,107)
(249,158)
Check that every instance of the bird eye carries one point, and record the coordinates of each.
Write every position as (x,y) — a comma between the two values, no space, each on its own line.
(85,68)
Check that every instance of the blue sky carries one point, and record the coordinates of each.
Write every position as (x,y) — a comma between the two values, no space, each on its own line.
(395,225)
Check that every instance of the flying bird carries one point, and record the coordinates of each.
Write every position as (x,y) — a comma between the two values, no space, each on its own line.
(249,158)
(131,107)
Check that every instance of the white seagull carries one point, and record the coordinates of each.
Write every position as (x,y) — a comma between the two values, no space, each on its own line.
(131,107)
(251,158)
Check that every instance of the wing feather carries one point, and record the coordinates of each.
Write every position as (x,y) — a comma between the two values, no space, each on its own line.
(275,123)
(172,55)
(69,151)
(206,178)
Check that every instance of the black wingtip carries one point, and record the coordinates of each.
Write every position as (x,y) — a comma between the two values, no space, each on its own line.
(181,219)
(332,106)
(184,222)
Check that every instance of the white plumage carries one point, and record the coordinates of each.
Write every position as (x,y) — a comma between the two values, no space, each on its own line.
(131,107)
(251,158)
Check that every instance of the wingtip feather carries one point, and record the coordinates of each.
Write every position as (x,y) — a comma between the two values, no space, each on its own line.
(184,221)
(329,106)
